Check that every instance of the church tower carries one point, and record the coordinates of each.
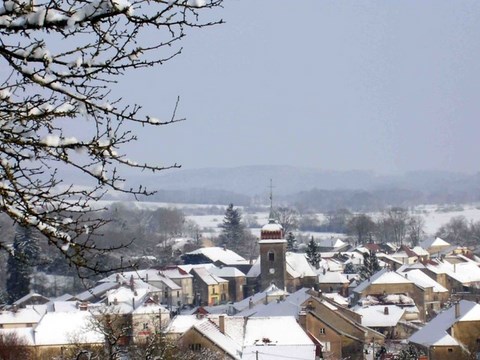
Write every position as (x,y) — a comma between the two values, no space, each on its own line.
(273,248)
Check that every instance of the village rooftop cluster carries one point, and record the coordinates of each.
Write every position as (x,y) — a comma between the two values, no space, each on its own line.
(424,299)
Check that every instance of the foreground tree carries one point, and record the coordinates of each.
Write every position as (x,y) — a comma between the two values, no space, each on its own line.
(58,60)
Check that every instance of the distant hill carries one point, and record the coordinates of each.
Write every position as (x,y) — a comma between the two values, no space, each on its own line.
(311,188)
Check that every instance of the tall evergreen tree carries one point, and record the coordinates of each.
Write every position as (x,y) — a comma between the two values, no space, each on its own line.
(20,263)
(291,242)
(233,230)
(313,253)
(370,265)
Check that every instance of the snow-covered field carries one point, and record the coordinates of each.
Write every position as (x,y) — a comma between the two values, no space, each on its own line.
(434,215)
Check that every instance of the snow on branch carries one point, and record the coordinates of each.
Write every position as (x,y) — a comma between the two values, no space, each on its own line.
(61,58)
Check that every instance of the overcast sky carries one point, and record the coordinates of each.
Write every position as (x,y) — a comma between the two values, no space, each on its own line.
(389,86)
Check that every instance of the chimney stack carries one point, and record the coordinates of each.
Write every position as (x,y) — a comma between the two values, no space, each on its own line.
(302,319)
(385,310)
(457,310)
(250,303)
(221,323)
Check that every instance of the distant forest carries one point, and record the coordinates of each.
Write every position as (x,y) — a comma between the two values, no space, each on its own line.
(322,200)
(314,190)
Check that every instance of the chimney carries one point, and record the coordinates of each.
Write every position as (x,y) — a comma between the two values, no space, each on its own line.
(146,277)
(117,278)
(454,268)
(115,301)
(302,319)
(250,303)
(324,271)
(221,323)
(385,310)
(132,282)
(224,247)
(457,310)
(133,302)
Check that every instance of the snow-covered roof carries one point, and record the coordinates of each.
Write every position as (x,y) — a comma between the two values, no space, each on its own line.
(332,278)
(388,257)
(337,298)
(29,296)
(429,243)
(226,256)
(271,291)
(279,330)
(289,306)
(226,343)
(188,267)
(63,306)
(226,271)
(272,226)
(465,273)
(255,270)
(435,333)
(298,265)
(182,323)
(61,328)
(423,280)
(245,338)
(380,315)
(97,291)
(331,243)
(127,296)
(151,308)
(207,277)
(383,276)
(175,273)
(29,315)
(408,267)
(420,251)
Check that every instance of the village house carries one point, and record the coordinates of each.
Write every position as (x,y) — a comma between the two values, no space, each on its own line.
(337,329)
(453,334)
(248,338)
(219,256)
(183,279)
(329,282)
(209,289)
(386,282)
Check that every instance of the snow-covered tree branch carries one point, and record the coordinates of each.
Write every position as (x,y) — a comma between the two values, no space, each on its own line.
(58,62)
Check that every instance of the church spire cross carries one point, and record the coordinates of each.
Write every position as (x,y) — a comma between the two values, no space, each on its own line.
(271,216)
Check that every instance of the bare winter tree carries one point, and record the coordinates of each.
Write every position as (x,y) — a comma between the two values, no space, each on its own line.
(58,60)
(288,218)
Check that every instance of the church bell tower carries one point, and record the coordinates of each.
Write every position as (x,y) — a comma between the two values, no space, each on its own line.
(273,248)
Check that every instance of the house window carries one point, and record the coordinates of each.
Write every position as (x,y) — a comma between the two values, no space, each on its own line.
(145,326)
(450,350)
(322,331)
(271,256)
(195,347)
(178,294)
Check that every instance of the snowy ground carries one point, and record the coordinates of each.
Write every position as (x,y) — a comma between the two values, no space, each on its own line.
(434,215)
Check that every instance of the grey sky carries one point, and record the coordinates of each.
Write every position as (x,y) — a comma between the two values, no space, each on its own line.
(389,86)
